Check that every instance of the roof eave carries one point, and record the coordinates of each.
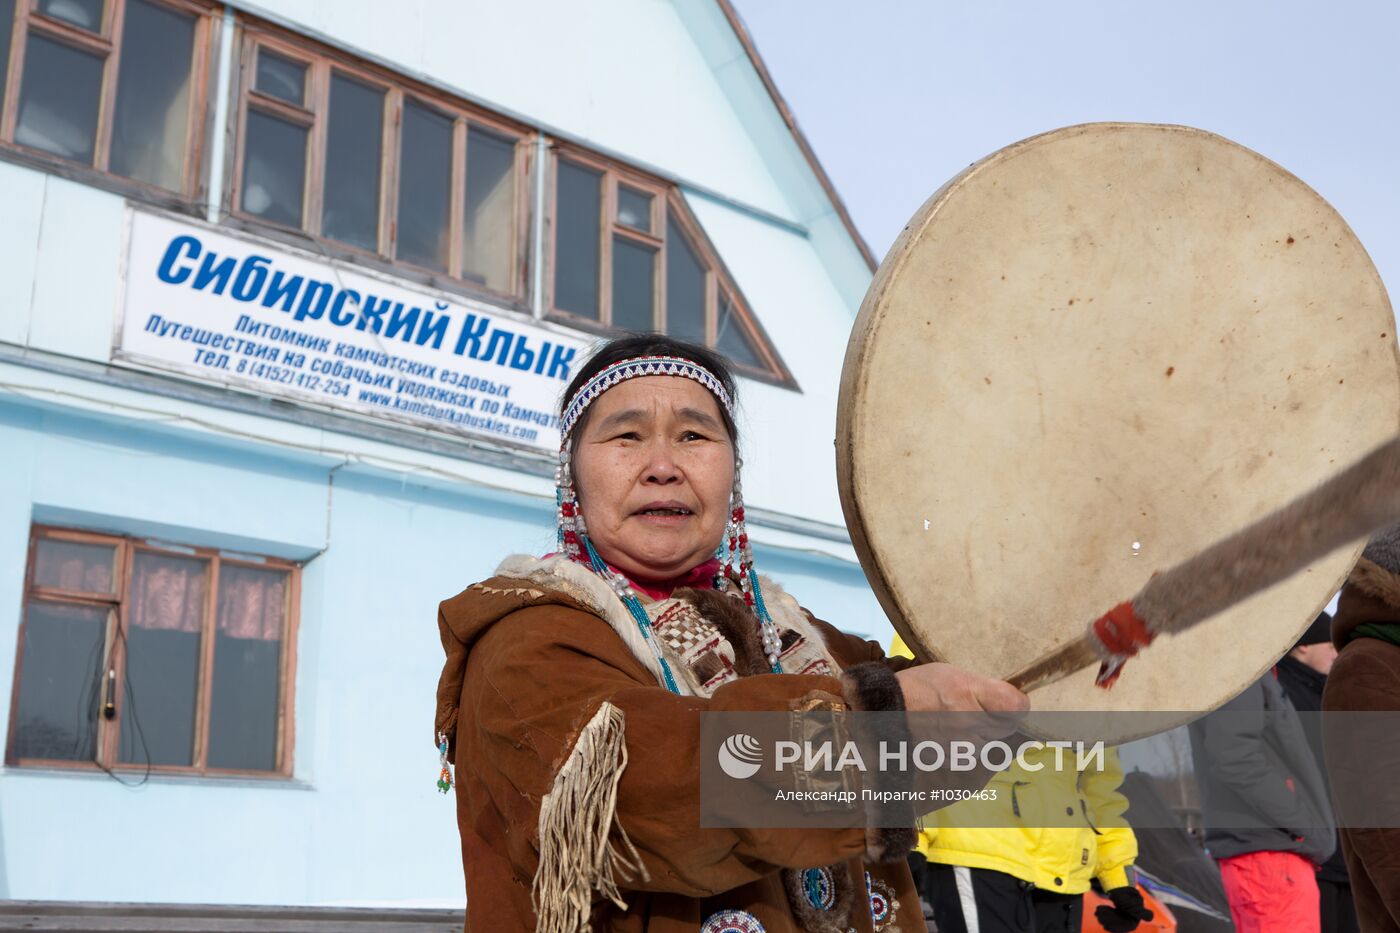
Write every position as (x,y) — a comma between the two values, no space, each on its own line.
(746,41)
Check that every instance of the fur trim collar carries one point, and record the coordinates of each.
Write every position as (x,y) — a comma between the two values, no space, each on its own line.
(1375,581)
(586,588)
(1371,594)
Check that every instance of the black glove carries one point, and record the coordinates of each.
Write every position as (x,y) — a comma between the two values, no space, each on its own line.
(1126,913)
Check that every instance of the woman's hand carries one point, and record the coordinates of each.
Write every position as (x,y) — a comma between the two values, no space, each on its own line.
(943,688)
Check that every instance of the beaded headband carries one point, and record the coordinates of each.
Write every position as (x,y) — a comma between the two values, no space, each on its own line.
(640,366)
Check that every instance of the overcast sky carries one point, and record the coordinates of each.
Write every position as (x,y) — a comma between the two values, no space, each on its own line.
(898,96)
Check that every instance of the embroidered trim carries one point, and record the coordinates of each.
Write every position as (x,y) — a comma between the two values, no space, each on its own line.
(884,906)
(820,897)
(695,653)
(527,591)
(732,921)
(640,366)
(820,888)
(704,656)
(586,588)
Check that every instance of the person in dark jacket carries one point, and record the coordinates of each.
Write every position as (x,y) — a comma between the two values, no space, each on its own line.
(1362,753)
(1302,673)
(1267,817)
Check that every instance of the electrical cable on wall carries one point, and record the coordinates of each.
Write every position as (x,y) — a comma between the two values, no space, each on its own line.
(97,698)
(129,699)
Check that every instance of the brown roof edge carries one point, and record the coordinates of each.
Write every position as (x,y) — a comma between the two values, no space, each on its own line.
(742,32)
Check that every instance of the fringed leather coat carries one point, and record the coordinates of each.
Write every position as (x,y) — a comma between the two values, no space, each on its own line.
(577,773)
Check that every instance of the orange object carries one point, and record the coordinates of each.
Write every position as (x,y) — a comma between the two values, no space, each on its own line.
(1123,634)
(1271,890)
(1162,920)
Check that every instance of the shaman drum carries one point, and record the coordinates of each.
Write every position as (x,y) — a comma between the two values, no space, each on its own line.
(1087,357)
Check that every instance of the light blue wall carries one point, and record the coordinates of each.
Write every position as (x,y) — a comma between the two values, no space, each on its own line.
(361,822)
(833,591)
(59,271)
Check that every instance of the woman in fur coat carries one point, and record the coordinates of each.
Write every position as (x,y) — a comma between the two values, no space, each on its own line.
(571,696)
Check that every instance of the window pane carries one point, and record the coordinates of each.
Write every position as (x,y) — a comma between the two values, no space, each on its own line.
(7,21)
(281,77)
(634,208)
(85,14)
(577,240)
(634,285)
(165,616)
(58,99)
(685,287)
(73,565)
(153,95)
(60,682)
(425,186)
(354,138)
(274,168)
(488,240)
(247,668)
(732,340)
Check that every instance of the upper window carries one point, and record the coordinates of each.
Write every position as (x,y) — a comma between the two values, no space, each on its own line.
(350,155)
(353,155)
(629,256)
(116,85)
(135,654)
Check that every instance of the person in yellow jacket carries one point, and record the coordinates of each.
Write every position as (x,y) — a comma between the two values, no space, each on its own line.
(1020,863)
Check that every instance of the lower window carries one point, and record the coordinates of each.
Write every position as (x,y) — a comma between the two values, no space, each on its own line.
(136,654)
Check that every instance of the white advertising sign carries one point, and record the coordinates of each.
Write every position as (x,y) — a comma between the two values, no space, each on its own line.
(281,322)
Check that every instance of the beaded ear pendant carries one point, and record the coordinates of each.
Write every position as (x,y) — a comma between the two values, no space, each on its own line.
(445,775)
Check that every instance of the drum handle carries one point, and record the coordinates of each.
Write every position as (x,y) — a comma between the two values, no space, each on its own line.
(1360,500)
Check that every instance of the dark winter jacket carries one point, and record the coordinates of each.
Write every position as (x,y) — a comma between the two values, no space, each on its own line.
(1261,788)
(1366,677)
(1303,685)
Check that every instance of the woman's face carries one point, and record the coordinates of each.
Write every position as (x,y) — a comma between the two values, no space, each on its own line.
(653,471)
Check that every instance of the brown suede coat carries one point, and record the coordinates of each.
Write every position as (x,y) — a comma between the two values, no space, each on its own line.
(528,663)
(1366,677)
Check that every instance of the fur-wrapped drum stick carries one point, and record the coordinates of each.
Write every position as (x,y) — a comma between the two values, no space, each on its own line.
(1355,503)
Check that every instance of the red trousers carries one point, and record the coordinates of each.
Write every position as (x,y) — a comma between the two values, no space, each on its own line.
(1272,892)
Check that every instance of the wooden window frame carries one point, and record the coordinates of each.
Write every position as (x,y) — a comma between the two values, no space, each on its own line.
(322,62)
(666,206)
(114,653)
(107,44)
(314,101)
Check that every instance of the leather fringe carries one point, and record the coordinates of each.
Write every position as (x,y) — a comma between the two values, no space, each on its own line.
(576,818)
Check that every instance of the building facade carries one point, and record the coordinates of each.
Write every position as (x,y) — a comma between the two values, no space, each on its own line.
(288,295)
